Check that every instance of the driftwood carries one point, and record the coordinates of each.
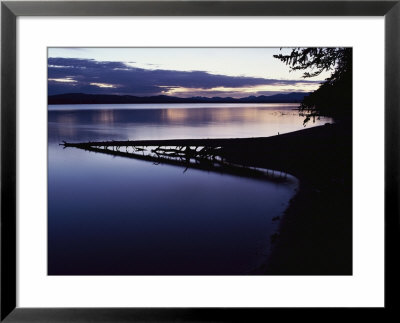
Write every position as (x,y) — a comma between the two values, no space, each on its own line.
(191,153)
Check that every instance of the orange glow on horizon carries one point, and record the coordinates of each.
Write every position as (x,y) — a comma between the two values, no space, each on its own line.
(63,80)
(103,85)
(251,90)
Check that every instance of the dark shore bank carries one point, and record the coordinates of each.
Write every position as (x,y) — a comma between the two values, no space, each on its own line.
(315,233)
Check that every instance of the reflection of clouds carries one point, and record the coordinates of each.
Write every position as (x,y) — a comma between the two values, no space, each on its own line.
(65,125)
(176,123)
(224,115)
(227,115)
(68,119)
(66,131)
(175,115)
(189,115)
(104,116)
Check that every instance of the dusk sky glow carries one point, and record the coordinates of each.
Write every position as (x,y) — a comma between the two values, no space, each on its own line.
(182,72)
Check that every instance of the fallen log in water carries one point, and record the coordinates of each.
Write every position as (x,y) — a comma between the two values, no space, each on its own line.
(167,142)
(202,154)
(307,154)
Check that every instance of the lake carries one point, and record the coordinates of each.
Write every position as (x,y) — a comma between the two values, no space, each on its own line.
(111,215)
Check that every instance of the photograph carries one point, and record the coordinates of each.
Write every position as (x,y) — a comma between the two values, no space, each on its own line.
(199,161)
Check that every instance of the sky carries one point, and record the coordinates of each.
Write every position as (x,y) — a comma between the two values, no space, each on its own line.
(181,72)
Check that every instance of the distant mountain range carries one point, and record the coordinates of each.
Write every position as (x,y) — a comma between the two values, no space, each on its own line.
(81,98)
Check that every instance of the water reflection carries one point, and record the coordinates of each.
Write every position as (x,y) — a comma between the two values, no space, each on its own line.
(109,215)
(106,117)
(178,122)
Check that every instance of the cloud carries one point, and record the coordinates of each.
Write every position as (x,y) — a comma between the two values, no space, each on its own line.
(66,75)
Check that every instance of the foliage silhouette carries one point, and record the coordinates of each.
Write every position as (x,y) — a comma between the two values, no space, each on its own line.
(334,97)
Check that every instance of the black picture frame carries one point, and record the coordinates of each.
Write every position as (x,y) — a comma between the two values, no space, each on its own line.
(10,10)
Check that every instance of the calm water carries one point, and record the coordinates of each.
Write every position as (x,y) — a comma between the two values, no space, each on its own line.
(118,216)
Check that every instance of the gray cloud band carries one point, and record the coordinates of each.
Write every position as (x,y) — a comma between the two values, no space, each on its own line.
(67,75)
